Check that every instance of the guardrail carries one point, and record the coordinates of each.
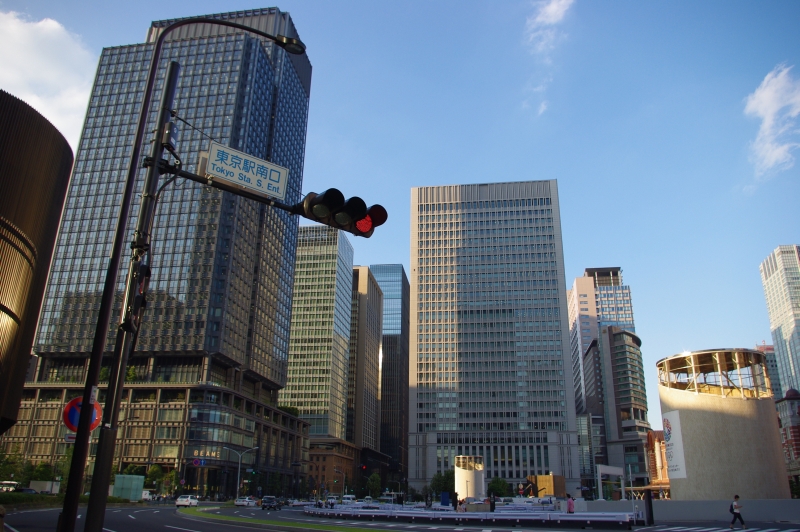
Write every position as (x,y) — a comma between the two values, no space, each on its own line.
(604,520)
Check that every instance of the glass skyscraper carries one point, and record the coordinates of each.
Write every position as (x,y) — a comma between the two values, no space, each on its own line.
(212,352)
(780,275)
(489,362)
(394,365)
(319,351)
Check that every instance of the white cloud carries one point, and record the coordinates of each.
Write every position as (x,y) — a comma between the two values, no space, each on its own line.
(541,33)
(541,36)
(48,68)
(777,103)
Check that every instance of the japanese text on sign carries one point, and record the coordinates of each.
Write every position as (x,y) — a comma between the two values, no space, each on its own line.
(247,172)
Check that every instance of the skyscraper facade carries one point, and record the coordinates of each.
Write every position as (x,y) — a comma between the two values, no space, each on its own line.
(616,401)
(319,351)
(212,352)
(780,275)
(394,366)
(772,369)
(600,302)
(597,299)
(364,377)
(489,366)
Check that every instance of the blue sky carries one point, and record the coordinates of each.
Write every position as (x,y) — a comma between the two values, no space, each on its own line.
(671,127)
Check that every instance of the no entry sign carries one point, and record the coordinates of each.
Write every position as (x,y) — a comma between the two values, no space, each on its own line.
(72,412)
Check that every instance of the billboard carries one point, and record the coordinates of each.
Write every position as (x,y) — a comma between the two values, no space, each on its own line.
(673,441)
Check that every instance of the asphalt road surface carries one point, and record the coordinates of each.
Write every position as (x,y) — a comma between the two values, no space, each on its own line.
(166,519)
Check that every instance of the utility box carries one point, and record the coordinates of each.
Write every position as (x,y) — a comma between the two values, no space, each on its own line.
(129,487)
(548,485)
(45,486)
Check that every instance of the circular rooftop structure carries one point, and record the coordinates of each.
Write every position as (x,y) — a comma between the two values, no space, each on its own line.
(720,426)
(724,372)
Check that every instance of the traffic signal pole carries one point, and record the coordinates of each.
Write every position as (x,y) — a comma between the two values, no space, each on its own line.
(68,516)
(130,317)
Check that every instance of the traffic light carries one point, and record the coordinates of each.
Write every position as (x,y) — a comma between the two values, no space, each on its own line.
(363,468)
(352,215)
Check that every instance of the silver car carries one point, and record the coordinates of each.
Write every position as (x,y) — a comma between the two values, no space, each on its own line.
(187,500)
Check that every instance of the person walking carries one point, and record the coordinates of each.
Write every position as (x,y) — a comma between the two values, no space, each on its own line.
(735,509)
(570,505)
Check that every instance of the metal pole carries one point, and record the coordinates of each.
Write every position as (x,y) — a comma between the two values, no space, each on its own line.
(130,317)
(239,476)
(69,513)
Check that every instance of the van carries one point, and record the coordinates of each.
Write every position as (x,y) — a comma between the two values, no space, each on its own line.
(348,499)
(146,495)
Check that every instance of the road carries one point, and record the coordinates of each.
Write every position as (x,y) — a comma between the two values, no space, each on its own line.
(166,519)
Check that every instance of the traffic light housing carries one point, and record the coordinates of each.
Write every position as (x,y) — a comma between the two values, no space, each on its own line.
(352,215)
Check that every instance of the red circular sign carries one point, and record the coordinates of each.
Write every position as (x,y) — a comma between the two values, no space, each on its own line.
(72,412)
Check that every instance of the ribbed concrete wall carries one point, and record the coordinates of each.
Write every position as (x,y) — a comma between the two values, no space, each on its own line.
(35,165)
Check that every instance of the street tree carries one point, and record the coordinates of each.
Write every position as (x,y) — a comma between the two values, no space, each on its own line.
(498,487)
(374,485)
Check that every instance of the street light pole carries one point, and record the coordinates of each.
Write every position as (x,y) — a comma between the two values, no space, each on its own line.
(239,469)
(68,516)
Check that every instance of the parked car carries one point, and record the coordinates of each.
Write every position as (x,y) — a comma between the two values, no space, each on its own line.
(270,503)
(26,490)
(245,501)
(187,500)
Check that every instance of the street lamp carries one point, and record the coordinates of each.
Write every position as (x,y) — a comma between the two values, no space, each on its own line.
(126,338)
(239,469)
(337,470)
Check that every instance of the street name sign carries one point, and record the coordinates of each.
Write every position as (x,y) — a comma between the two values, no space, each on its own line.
(245,172)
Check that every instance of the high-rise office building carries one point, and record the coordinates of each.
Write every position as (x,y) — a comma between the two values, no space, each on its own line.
(319,348)
(364,377)
(599,302)
(489,363)
(394,366)
(772,369)
(212,352)
(319,352)
(616,402)
(780,275)
(595,300)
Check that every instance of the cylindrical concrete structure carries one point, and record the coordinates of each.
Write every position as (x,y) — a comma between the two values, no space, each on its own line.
(35,165)
(720,426)
(470,477)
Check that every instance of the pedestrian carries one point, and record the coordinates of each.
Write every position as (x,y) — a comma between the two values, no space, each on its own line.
(570,505)
(735,509)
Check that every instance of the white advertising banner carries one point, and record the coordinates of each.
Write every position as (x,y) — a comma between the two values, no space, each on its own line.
(673,440)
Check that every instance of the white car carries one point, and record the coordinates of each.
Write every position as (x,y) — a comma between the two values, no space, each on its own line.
(245,501)
(186,500)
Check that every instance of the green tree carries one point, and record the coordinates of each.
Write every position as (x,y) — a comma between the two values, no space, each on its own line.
(374,485)
(43,471)
(133,469)
(498,487)
(444,482)
(130,375)
(62,467)
(154,476)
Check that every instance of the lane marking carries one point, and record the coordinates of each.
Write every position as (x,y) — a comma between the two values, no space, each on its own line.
(132,517)
(11,528)
(79,516)
(108,530)
(179,528)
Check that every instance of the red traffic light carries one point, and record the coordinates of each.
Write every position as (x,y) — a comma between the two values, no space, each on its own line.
(330,208)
